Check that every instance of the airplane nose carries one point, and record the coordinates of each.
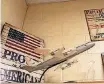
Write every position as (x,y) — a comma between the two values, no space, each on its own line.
(91,44)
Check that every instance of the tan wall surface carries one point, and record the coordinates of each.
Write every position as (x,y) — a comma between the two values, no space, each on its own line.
(13,12)
(64,24)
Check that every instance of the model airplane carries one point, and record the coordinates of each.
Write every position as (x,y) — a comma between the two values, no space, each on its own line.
(60,55)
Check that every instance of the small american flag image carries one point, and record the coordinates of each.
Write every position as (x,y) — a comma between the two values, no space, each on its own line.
(21,41)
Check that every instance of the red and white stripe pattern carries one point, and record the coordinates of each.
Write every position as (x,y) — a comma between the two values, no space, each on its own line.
(27,46)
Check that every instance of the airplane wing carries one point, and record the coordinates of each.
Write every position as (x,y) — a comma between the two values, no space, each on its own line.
(58,53)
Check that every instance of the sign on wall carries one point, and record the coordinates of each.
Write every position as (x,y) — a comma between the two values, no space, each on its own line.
(18,49)
(11,74)
(95,22)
